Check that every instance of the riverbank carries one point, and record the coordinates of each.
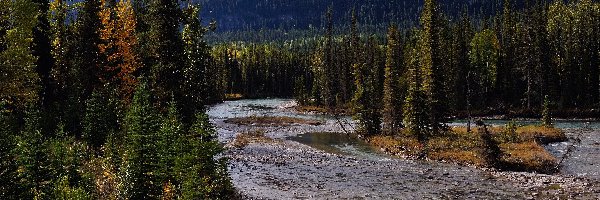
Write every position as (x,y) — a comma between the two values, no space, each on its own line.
(279,168)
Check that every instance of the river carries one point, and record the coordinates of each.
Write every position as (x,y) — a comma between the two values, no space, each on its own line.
(312,162)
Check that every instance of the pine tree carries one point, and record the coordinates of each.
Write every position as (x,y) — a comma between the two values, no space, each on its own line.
(142,124)
(393,97)
(42,50)
(432,67)
(196,79)
(165,49)
(169,146)
(33,175)
(546,116)
(9,187)
(483,55)
(329,90)
(100,120)
(416,118)
(200,174)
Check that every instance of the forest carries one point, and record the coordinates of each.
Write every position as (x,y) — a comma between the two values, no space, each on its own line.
(106,99)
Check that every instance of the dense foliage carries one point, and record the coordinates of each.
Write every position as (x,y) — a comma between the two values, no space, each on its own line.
(84,109)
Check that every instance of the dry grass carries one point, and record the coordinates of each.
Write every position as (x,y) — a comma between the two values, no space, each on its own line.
(342,110)
(541,134)
(401,146)
(233,96)
(521,148)
(243,139)
(527,156)
(271,121)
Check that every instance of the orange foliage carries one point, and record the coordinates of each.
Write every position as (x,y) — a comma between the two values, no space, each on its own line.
(119,36)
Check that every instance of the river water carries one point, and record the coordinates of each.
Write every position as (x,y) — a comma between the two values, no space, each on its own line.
(317,162)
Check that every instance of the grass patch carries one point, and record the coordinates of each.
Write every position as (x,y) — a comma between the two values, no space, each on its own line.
(527,156)
(243,139)
(342,110)
(235,96)
(520,147)
(271,121)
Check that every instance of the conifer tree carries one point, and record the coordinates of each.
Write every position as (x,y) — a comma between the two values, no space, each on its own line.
(165,49)
(200,174)
(195,73)
(33,175)
(142,124)
(546,116)
(169,146)
(100,120)
(416,118)
(432,67)
(393,96)
(41,49)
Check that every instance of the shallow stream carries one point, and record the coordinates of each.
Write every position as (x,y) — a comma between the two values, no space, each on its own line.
(319,162)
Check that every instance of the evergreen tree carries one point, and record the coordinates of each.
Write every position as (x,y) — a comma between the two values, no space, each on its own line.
(416,118)
(142,124)
(41,49)
(196,79)
(367,97)
(546,116)
(483,55)
(165,49)
(9,187)
(33,175)
(393,95)
(432,66)
(200,174)
(100,120)
(169,146)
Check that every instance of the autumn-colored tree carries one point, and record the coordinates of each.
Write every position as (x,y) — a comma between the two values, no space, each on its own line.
(19,82)
(119,43)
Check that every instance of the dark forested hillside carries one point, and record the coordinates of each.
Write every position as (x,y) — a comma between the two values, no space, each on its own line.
(235,15)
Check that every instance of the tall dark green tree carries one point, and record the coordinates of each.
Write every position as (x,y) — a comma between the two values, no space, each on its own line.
(142,124)
(393,98)
(195,88)
(416,115)
(432,66)
(42,50)
(201,175)
(165,46)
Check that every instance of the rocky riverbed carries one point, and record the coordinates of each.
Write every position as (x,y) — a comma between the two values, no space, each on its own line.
(285,169)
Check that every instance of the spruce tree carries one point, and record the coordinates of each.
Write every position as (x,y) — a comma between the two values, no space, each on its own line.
(393,96)
(33,175)
(546,116)
(169,146)
(100,120)
(196,81)
(165,49)
(200,173)
(142,124)
(432,66)
(416,118)
(41,49)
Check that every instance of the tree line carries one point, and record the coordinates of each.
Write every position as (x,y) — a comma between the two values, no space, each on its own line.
(419,78)
(105,99)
